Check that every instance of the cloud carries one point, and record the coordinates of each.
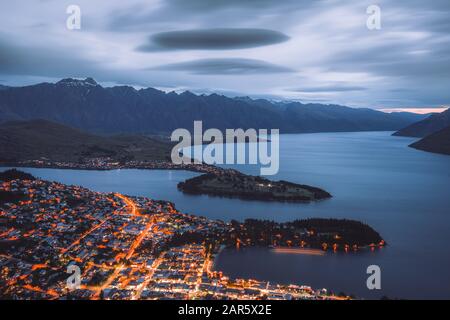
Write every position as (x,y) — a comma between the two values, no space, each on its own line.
(213,5)
(416,110)
(213,39)
(204,13)
(404,64)
(225,66)
(24,64)
(329,88)
(19,59)
(397,59)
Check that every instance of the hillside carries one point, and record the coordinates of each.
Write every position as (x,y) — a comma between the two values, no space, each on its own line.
(438,142)
(13,174)
(427,126)
(86,105)
(28,140)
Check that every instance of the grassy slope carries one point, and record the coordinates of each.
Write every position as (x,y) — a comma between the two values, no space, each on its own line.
(28,140)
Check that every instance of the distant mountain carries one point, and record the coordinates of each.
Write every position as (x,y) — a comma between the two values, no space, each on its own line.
(86,105)
(427,126)
(438,142)
(35,139)
(413,117)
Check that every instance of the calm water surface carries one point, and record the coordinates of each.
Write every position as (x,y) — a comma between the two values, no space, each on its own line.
(401,192)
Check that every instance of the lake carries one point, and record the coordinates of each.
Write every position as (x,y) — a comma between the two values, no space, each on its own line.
(401,192)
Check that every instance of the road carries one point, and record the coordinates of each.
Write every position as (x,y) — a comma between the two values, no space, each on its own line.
(132,208)
(149,276)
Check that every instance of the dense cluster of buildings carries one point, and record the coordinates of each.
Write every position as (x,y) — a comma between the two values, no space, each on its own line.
(67,242)
(187,272)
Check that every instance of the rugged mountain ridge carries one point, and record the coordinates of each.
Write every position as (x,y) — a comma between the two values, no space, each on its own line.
(86,105)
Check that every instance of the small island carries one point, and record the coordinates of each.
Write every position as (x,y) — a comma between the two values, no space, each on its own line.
(234,184)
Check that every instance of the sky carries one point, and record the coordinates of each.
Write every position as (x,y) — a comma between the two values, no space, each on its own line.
(312,51)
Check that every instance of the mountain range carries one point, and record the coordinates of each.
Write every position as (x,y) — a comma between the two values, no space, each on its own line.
(86,105)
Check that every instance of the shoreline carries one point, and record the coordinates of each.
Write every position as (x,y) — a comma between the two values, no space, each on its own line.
(257,188)
(192,168)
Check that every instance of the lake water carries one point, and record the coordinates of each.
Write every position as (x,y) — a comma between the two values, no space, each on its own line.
(402,192)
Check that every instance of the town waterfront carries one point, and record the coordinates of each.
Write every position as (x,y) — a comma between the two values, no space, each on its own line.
(401,192)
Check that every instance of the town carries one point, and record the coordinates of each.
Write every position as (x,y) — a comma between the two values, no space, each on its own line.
(126,248)
(108,163)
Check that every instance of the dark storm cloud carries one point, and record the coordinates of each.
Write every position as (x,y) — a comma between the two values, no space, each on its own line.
(230,66)
(213,39)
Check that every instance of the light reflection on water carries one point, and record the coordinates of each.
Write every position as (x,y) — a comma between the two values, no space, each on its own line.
(303,251)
